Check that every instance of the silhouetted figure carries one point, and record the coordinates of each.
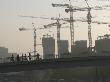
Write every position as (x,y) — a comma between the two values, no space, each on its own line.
(25,58)
(12,58)
(37,56)
(29,56)
(22,58)
(18,58)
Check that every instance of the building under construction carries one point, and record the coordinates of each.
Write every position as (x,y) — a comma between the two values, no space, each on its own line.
(102,45)
(79,49)
(48,44)
(63,46)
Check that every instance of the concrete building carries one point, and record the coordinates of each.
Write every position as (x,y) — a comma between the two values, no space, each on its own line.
(63,48)
(79,49)
(102,45)
(48,44)
(4,54)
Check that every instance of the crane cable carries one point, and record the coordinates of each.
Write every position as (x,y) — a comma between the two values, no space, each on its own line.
(87,3)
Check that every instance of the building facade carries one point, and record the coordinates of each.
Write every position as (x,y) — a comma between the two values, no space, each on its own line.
(102,45)
(48,44)
(4,55)
(63,46)
(79,49)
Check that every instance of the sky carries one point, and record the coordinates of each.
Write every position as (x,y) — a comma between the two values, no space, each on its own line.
(21,42)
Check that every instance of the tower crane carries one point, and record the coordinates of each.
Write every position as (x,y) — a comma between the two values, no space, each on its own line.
(34,31)
(57,23)
(89,21)
(89,27)
(58,28)
(70,9)
(71,20)
(58,32)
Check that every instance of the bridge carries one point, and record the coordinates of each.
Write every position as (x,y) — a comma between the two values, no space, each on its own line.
(91,61)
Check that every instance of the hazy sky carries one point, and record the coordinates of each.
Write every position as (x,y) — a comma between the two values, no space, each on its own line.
(17,41)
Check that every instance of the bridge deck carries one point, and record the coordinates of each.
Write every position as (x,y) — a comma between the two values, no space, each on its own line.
(55,63)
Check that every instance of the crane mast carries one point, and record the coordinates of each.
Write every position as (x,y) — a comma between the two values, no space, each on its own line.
(89,29)
(71,26)
(34,36)
(70,9)
(58,33)
(57,23)
(34,40)
(58,30)
(58,36)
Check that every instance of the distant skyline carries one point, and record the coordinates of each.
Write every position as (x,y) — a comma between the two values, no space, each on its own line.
(17,41)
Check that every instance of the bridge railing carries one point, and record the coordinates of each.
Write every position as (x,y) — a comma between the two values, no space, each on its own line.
(35,58)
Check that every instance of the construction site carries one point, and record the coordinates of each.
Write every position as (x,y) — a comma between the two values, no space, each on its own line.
(62,60)
(78,48)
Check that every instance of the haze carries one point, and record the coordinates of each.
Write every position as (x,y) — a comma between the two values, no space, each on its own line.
(17,41)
